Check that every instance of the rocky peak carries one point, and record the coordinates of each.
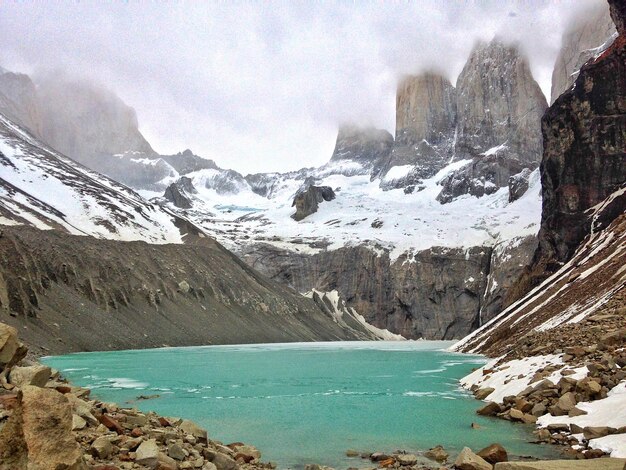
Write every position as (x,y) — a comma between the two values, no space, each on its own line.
(499,102)
(580,42)
(86,122)
(425,109)
(425,127)
(179,193)
(366,144)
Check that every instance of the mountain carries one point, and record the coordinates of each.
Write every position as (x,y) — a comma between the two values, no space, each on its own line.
(426,231)
(425,127)
(77,249)
(577,269)
(584,38)
(559,348)
(42,188)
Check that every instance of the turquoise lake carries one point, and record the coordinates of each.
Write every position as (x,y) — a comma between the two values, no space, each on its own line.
(307,402)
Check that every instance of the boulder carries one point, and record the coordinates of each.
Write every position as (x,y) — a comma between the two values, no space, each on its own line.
(490,409)
(437,454)
(247,453)
(221,461)
(588,386)
(8,343)
(483,393)
(101,447)
(166,463)
(406,460)
(78,423)
(595,432)
(36,375)
(596,464)
(147,453)
(189,427)
(494,453)
(468,460)
(176,451)
(567,401)
(516,415)
(38,435)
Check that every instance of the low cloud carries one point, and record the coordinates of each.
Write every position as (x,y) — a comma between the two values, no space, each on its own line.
(261,86)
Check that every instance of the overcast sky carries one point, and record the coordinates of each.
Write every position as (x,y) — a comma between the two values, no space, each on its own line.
(262,86)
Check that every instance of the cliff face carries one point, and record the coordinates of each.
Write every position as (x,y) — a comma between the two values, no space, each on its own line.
(578,269)
(437,293)
(585,155)
(425,109)
(18,100)
(580,42)
(96,124)
(499,103)
(425,120)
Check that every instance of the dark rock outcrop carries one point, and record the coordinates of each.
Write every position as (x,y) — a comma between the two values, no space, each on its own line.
(368,145)
(130,295)
(179,193)
(518,184)
(584,159)
(307,200)
(482,176)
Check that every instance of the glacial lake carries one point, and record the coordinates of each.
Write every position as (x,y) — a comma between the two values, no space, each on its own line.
(307,402)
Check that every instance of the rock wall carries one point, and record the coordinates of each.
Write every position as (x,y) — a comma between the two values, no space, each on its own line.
(584,159)
(499,102)
(577,272)
(435,294)
(580,42)
(19,102)
(70,293)
(425,109)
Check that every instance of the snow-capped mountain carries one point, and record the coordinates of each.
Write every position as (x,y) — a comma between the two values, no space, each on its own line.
(42,188)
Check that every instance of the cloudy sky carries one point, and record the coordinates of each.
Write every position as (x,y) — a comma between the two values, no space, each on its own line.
(260,85)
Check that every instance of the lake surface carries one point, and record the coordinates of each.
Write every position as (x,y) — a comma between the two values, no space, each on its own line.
(307,402)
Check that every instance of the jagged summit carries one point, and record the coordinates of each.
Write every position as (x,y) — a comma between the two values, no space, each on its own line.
(499,103)
(425,126)
(425,109)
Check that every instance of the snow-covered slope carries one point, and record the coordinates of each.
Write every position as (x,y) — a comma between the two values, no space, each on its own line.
(361,214)
(44,189)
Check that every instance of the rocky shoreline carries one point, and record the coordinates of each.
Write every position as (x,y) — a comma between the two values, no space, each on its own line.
(556,378)
(47,423)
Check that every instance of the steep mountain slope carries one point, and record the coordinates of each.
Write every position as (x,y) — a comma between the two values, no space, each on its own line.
(71,280)
(558,351)
(582,245)
(73,293)
(41,187)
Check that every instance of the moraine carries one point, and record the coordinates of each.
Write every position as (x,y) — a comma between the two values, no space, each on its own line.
(307,402)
